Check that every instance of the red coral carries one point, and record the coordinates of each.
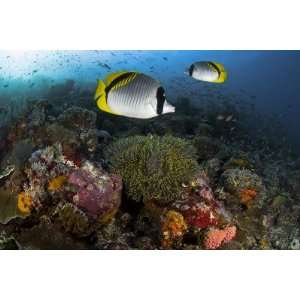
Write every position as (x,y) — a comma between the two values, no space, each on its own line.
(200,216)
(216,237)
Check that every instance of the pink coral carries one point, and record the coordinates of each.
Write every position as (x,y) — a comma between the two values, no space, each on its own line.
(216,237)
(98,194)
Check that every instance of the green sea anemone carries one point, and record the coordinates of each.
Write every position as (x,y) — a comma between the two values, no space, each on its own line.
(153,167)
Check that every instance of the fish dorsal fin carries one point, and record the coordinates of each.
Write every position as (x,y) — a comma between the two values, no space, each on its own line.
(111,77)
(120,81)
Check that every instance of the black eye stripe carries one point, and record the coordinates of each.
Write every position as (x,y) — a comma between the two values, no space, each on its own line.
(161,98)
(191,69)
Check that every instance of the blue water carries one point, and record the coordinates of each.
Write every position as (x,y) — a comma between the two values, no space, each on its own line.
(268,79)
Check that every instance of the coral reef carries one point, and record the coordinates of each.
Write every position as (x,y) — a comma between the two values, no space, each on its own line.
(72,177)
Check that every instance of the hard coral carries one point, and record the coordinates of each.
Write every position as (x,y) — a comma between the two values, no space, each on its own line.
(173,228)
(97,193)
(153,167)
(216,237)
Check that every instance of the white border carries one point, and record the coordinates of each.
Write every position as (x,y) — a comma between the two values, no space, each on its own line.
(149,24)
(155,24)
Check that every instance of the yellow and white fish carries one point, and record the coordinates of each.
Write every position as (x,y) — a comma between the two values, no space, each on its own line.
(208,71)
(133,95)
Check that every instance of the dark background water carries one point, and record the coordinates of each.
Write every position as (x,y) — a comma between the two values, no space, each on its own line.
(268,79)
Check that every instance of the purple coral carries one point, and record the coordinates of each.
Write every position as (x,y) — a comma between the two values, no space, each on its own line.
(98,193)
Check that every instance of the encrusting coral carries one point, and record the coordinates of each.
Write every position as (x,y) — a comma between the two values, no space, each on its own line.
(97,193)
(153,167)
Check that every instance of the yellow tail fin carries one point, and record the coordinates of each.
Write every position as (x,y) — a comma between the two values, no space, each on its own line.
(223,73)
(100,90)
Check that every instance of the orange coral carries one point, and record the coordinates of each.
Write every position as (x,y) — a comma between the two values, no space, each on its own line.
(247,195)
(24,203)
(173,228)
(216,237)
(56,183)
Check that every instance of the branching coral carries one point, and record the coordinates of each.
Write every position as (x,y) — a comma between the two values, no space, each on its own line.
(153,167)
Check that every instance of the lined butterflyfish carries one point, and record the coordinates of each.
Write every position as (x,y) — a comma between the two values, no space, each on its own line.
(208,71)
(133,95)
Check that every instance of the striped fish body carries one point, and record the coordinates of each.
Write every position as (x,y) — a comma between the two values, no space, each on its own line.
(208,71)
(134,97)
